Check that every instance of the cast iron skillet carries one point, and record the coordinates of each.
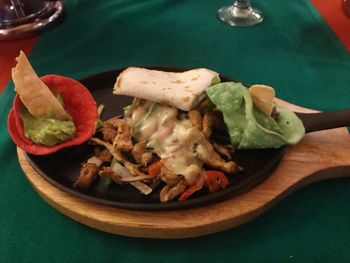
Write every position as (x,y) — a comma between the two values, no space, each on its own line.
(62,168)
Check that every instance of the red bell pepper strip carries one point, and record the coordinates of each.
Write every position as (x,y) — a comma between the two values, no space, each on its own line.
(216,180)
(198,185)
(154,168)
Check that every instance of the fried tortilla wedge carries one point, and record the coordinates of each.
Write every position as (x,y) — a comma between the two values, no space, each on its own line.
(182,90)
(34,94)
(263,96)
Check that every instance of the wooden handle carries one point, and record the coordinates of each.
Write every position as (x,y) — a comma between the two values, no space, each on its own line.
(325,120)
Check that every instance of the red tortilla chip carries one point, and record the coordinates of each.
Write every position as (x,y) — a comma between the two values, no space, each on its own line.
(78,102)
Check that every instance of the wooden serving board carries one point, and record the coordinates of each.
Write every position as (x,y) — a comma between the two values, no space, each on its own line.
(321,155)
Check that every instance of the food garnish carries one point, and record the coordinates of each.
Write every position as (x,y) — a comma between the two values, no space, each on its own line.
(167,137)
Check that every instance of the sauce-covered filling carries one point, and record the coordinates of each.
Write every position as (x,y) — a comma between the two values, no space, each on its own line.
(169,135)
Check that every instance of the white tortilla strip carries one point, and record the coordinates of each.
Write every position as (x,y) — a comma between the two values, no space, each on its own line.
(263,97)
(34,94)
(181,90)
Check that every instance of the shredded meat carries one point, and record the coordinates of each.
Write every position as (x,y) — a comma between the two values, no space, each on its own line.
(108,134)
(224,150)
(115,153)
(207,124)
(140,155)
(107,171)
(205,152)
(196,118)
(218,163)
(168,193)
(167,176)
(146,158)
(138,150)
(87,176)
(121,131)
(164,194)
(104,155)
(134,169)
(213,159)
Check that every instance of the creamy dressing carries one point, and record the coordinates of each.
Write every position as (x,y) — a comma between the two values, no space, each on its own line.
(138,112)
(170,138)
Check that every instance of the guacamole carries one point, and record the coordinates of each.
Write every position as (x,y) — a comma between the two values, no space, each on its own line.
(248,127)
(46,130)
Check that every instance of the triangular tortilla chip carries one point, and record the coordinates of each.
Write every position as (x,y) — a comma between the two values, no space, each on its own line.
(263,96)
(34,94)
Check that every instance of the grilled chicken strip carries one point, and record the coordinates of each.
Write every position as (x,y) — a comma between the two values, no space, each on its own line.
(133,168)
(168,193)
(104,155)
(140,155)
(88,172)
(108,133)
(206,153)
(224,150)
(207,124)
(122,134)
(169,177)
(107,171)
(196,118)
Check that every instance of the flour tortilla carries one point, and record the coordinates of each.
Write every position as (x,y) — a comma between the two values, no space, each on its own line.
(181,90)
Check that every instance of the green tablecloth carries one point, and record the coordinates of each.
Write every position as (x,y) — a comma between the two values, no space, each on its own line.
(293,50)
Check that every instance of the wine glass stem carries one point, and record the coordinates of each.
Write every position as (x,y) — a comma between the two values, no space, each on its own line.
(242,4)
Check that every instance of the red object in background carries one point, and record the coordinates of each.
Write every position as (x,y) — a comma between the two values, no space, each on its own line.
(346,7)
(333,13)
(9,50)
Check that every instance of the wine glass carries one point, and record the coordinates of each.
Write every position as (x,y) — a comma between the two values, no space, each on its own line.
(240,14)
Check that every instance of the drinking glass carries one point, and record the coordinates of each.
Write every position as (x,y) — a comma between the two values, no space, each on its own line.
(240,14)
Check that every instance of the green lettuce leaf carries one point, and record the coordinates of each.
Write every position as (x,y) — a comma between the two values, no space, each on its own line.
(248,127)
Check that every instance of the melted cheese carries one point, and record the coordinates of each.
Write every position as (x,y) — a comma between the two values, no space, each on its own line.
(174,149)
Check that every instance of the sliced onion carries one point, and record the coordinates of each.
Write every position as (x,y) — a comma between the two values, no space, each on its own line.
(95,160)
(143,188)
(123,172)
(100,110)
(120,169)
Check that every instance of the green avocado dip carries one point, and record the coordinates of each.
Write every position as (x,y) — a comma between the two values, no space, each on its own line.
(46,130)
(248,127)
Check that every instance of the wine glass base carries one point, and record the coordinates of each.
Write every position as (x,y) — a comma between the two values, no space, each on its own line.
(37,23)
(240,17)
